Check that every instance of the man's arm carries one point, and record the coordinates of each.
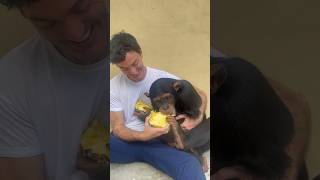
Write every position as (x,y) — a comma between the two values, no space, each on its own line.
(300,110)
(203,96)
(119,129)
(27,168)
(190,123)
(20,153)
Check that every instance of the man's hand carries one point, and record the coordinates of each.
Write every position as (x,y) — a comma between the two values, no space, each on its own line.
(91,167)
(151,132)
(119,129)
(188,123)
(142,114)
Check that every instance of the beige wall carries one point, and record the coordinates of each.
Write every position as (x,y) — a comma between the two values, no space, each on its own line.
(174,35)
(14,29)
(282,38)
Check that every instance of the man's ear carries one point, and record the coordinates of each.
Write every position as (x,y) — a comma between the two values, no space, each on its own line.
(147,94)
(218,75)
(177,86)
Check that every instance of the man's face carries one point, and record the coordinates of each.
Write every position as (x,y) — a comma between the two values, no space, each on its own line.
(132,66)
(77,28)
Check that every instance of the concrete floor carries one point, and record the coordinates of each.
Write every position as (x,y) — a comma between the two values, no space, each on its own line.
(142,171)
(282,38)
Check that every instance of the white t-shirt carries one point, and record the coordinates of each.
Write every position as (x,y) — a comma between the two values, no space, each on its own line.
(46,102)
(124,94)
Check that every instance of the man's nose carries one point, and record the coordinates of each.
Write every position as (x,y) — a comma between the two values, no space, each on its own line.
(74,29)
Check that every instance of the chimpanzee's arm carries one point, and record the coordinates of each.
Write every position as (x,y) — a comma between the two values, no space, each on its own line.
(176,132)
(198,136)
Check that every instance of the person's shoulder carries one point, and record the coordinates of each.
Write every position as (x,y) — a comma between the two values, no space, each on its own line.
(19,63)
(117,80)
(26,46)
(157,73)
(23,53)
(154,70)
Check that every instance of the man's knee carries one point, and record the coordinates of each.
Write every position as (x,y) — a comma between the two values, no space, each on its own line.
(191,169)
(193,162)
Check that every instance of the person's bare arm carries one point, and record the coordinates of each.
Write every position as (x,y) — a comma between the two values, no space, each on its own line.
(190,123)
(300,110)
(119,129)
(28,168)
(203,96)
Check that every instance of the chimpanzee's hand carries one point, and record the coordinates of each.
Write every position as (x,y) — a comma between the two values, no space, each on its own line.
(188,123)
(172,121)
(150,132)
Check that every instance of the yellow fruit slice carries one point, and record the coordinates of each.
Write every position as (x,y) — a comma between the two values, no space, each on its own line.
(158,119)
(95,139)
(141,106)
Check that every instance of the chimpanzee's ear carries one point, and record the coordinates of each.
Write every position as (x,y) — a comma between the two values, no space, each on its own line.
(218,75)
(147,94)
(177,86)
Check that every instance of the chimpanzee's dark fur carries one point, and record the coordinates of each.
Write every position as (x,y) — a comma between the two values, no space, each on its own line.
(187,101)
(251,125)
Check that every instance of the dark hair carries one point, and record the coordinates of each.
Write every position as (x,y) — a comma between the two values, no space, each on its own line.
(251,126)
(16,3)
(120,44)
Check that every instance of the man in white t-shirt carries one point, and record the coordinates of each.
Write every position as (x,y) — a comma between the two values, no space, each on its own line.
(131,139)
(51,86)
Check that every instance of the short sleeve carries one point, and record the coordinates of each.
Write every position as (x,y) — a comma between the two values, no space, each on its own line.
(169,75)
(115,103)
(18,137)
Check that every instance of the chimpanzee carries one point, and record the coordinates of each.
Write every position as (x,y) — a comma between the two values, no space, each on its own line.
(173,97)
(251,125)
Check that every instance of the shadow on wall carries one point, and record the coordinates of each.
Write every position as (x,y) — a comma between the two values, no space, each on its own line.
(281,37)
(14,29)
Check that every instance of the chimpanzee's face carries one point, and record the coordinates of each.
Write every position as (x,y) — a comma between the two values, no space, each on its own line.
(165,103)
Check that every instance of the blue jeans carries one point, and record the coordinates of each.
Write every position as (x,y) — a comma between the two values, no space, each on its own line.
(177,164)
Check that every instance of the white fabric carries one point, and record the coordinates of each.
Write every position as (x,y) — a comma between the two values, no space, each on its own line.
(45,104)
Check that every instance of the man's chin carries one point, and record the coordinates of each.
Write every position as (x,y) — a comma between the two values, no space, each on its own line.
(85,59)
(84,56)
(135,79)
